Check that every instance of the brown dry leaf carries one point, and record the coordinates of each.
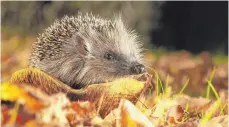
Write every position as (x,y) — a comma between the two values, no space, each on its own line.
(83,109)
(194,103)
(181,65)
(83,113)
(175,115)
(188,124)
(220,121)
(12,92)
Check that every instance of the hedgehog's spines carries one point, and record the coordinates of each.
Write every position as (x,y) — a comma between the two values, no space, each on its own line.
(64,48)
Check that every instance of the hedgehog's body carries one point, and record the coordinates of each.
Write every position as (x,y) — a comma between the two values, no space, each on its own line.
(86,49)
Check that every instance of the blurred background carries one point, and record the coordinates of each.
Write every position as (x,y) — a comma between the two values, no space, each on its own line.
(193,25)
(186,39)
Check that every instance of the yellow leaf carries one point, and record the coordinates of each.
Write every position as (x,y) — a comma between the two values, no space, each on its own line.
(12,92)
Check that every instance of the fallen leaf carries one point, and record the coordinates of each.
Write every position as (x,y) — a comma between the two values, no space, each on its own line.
(130,116)
(175,115)
(12,92)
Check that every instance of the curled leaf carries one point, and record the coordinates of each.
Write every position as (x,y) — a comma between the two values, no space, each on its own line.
(105,96)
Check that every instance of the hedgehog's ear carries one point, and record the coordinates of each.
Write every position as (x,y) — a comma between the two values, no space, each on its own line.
(80,42)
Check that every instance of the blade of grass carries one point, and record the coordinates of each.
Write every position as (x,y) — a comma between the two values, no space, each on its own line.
(210,113)
(185,115)
(185,85)
(158,81)
(167,82)
(221,112)
(208,91)
(215,106)
(150,92)
(156,100)
(216,94)
(162,88)
(157,85)
(210,79)
(13,117)
(145,106)
(187,107)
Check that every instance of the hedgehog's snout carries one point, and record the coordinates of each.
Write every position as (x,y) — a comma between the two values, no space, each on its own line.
(138,68)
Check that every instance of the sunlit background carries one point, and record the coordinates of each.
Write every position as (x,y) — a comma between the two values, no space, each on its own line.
(186,40)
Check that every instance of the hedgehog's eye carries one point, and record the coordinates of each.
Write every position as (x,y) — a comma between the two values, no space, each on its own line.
(109,56)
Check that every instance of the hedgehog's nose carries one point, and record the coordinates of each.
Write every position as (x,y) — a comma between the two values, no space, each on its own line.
(138,69)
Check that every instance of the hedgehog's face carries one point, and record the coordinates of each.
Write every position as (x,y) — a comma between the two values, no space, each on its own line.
(112,54)
(109,65)
(115,64)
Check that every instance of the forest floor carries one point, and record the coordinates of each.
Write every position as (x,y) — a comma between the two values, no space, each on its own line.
(185,90)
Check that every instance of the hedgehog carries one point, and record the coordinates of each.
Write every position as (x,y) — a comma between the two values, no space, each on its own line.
(87,49)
